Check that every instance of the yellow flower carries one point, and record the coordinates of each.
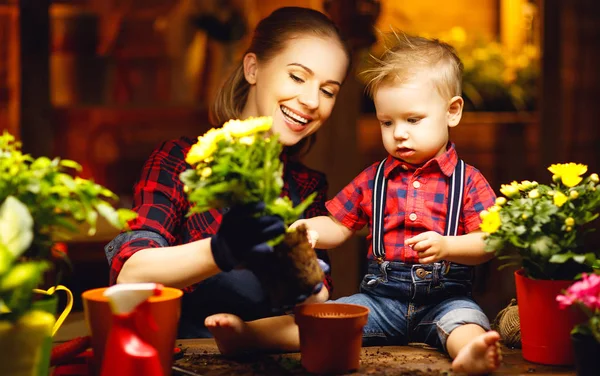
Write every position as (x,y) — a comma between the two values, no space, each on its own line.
(559,199)
(458,35)
(494,209)
(199,152)
(252,125)
(206,145)
(501,201)
(569,173)
(511,191)
(534,193)
(247,140)
(525,185)
(569,221)
(483,214)
(491,222)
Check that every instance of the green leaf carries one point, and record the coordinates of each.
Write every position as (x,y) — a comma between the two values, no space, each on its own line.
(29,273)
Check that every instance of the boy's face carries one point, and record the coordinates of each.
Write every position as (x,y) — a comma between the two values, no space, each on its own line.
(414,119)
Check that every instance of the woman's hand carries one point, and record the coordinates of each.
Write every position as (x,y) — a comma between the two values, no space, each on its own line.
(243,234)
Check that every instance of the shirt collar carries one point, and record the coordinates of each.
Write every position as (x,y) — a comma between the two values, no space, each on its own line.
(446,163)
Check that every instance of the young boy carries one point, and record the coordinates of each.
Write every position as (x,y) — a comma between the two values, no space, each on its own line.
(422,206)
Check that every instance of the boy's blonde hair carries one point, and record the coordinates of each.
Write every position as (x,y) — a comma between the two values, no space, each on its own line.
(410,55)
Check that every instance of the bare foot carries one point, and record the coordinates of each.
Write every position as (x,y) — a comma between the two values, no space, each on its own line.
(231,333)
(481,355)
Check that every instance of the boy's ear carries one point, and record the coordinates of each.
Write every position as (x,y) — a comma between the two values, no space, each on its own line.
(250,67)
(455,109)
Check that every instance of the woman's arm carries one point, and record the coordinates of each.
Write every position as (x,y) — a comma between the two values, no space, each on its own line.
(178,266)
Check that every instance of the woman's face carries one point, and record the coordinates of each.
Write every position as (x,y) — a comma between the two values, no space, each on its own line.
(297,87)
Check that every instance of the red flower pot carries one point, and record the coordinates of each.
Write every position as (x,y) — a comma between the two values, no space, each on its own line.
(545,327)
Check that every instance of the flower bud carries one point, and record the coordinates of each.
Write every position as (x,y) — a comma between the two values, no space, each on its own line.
(206,172)
(555,178)
(534,193)
(569,229)
(573,194)
(569,221)
(594,178)
(524,216)
(501,201)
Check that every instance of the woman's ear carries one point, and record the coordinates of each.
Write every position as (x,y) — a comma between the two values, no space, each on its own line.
(455,109)
(250,67)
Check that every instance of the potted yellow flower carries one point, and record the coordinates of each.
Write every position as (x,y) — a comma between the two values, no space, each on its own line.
(41,201)
(239,164)
(544,229)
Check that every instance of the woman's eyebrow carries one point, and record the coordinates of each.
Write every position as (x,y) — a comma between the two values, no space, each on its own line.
(312,73)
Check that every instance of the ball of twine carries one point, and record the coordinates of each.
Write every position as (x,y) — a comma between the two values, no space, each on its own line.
(507,324)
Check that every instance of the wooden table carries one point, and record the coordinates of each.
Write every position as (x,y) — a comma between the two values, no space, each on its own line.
(202,358)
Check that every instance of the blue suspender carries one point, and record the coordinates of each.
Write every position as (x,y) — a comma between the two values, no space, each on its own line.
(455,196)
(379,192)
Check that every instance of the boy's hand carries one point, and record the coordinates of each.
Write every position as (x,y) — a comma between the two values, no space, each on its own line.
(430,246)
(313,236)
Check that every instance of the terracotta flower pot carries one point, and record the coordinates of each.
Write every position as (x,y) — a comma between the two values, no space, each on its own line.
(330,336)
(545,328)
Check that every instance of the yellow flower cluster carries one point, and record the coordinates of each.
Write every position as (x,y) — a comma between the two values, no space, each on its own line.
(244,130)
(567,173)
(514,189)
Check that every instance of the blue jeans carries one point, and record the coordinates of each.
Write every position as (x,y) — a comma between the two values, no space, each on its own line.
(416,303)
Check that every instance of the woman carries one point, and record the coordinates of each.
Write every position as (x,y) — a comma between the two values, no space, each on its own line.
(292,71)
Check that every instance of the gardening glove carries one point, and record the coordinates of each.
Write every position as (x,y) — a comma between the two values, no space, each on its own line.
(243,235)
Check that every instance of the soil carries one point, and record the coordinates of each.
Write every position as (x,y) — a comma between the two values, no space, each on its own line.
(201,357)
(374,361)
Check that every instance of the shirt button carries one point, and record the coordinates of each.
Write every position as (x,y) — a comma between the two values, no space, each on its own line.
(416,184)
(412,217)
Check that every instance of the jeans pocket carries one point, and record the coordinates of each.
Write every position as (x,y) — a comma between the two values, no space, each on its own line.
(452,287)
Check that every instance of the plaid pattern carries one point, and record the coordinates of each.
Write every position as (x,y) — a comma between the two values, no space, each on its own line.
(416,202)
(162,205)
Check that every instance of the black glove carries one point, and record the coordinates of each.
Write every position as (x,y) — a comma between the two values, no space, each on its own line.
(243,235)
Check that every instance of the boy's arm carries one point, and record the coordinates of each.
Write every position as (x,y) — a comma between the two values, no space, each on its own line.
(331,233)
(468,249)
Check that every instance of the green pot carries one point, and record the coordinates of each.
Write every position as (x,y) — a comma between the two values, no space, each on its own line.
(25,345)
